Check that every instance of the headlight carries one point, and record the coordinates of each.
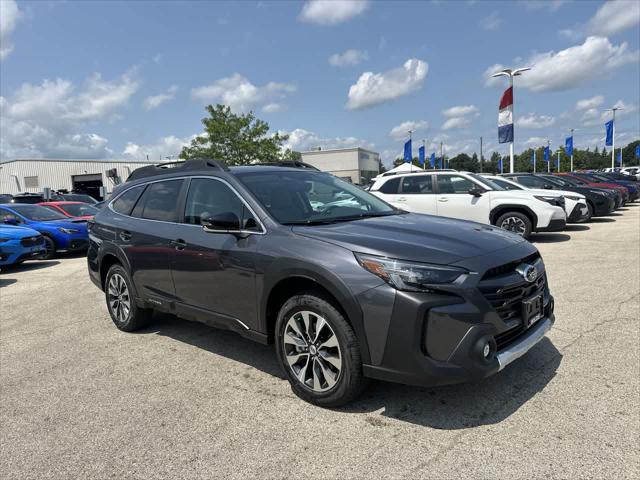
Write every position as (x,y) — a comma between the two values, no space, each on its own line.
(555,201)
(2,240)
(68,231)
(411,276)
(571,197)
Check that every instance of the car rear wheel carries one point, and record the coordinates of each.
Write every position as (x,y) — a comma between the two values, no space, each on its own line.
(318,351)
(515,222)
(125,314)
(49,248)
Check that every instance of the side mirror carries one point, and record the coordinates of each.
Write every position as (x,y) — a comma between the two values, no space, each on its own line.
(225,222)
(10,220)
(476,191)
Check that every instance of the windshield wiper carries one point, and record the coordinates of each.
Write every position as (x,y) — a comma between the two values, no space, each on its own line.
(350,218)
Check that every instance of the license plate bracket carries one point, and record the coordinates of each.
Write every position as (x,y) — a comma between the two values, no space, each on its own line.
(532,310)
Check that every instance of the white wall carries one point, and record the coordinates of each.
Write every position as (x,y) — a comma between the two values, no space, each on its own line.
(343,163)
(57,174)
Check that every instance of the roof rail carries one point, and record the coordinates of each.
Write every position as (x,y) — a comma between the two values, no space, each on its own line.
(184,165)
(287,163)
(429,170)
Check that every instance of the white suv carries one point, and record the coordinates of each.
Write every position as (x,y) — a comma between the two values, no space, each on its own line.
(469,197)
(575,203)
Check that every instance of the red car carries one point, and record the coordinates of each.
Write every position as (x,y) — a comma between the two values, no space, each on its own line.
(75,210)
(623,193)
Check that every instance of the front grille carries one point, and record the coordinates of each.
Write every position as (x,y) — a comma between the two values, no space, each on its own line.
(507,301)
(31,241)
(510,267)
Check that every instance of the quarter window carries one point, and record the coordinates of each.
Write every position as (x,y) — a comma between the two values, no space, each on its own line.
(420,184)
(159,201)
(125,202)
(208,197)
(448,184)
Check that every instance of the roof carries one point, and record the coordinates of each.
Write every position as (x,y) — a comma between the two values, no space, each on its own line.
(79,160)
(62,202)
(338,150)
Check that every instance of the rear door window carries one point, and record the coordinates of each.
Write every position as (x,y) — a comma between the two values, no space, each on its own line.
(159,201)
(418,184)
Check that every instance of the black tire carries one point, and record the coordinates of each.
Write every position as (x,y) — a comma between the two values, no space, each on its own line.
(350,379)
(133,317)
(50,248)
(515,222)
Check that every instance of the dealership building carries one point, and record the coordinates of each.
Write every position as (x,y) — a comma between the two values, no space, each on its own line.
(356,165)
(95,177)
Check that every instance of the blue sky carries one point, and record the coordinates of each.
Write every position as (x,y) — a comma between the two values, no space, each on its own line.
(130,79)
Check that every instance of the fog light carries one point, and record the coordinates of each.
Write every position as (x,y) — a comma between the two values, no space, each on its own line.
(487,350)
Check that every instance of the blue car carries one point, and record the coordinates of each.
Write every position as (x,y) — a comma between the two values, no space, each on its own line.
(18,244)
(59,232)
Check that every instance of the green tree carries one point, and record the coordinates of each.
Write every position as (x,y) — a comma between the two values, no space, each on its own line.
(238,139)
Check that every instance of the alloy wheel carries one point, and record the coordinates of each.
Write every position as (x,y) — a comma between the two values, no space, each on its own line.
(119,300)
(514,224)
(312,351)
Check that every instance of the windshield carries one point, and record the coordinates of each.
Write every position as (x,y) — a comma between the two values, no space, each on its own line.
(306,198)
(79,209)
(78,197)
(38,213)
(487,182)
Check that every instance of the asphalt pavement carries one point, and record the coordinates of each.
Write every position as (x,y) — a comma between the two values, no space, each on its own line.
(80,399)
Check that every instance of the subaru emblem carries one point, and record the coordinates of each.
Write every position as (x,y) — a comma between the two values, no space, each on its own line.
(528,272)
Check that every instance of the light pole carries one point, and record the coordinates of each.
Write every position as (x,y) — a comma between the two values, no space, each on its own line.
(424,149)
(571,170)
(511,73)
(613,136)
(480,154)
(441,157)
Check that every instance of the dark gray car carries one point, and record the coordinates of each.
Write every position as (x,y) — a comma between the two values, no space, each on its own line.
(345,285)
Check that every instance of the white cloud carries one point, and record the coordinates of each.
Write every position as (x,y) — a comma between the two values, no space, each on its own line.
(593,116)
(155,101)
(460,111)
(590,102)
(566,69)
(9,16)
(242,95)
(550,5)
(349,57)
(274,107)
(455,122)
(459,116)
(614,16)
(331,12)
(538,141)
(48,120)
(534,121)
(491,22)
(400,131)
(170,146)
(301,140)
(375,88)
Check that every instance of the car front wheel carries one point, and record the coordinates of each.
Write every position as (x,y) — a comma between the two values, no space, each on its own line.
(318,351)
(515,222)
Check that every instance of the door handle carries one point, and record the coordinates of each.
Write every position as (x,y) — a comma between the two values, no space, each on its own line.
(402,199)
(125,236)
(178,244)
(443,199)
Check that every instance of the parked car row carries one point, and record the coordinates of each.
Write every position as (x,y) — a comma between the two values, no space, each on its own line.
(57,226)
(522,203)
(40,197)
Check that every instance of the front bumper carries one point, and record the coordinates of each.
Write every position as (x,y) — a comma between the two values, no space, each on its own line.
(13,252)
(439,338)
(72,243)
(555,225)
(580,213)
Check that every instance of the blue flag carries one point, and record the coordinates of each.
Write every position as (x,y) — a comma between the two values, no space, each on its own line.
(421,155)
(407,151)
(620,157)
(533,157)
(568,146)
(432,160)
(500,165)
(546,154)
(609,127)
(638,151)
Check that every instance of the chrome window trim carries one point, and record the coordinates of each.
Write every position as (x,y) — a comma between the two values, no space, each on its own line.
(263,230)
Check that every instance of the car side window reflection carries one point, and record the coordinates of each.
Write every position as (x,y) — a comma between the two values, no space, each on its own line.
(208,198)
(420,184)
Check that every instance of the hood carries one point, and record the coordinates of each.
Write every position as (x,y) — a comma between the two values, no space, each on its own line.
(545,192)
(410,236)
(80,225)
(14,231)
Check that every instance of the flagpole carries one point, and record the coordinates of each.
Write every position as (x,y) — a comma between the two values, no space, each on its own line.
(571,150)
(534,161)
(441,157)
(480,154)
(613,142)
(548,160)
(558,165)
(424,149)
